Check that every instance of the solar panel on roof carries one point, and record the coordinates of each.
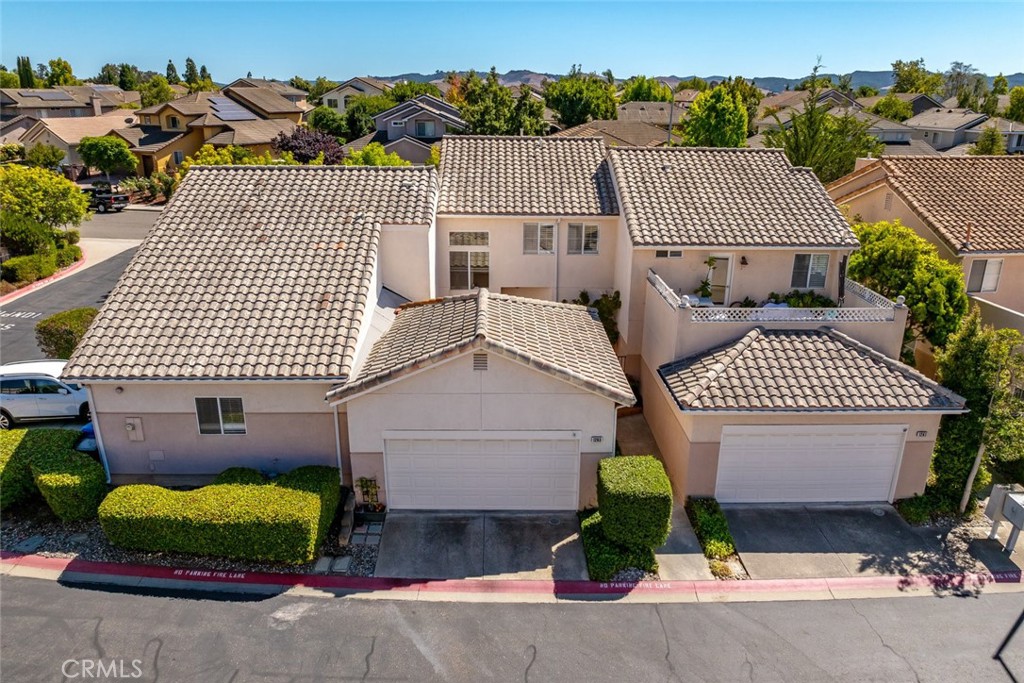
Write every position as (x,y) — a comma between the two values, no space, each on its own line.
(220,100)
(239,115)
(48,95)
(105,86)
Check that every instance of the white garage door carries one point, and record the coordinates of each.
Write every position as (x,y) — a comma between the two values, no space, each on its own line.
(804,464)
(482,471)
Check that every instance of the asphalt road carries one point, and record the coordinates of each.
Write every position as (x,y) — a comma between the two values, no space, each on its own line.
(290,638)
(127,225)
(88,287)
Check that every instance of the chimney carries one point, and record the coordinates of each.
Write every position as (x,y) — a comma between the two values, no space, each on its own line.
(97,109)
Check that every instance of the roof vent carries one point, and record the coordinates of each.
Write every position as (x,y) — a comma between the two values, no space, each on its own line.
(666,167)
(479,361)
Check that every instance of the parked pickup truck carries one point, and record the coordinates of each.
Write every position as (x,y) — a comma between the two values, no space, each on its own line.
(103,200)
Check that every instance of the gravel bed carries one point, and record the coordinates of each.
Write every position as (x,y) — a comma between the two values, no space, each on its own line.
(633,574)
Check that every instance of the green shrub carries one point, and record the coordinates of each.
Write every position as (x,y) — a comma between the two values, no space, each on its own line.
(635,498)
(606,558)
(240,475)
(282,521)
(71,483)
(68,255)
(59,334)
(711,527)
(802,299)
(65,237)
(719,569)
(29,268)
(18,448)
(23,236)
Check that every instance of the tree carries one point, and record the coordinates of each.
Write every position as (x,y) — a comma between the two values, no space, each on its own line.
(374,155)
(894,261)
(527,115)
(819,82)
(828,144)
(300,83)
(866,91)
(990,141)
(9,79)
(248,74)
(435,156)
(42,195)
(360,111)
(912,76)
(171,73)
(717,118)
(1000,86)
(208,155)
(845,84)
(317,88)
(44,156)
(488,107)
(990,105)
(458,86)
(407,90)
(60,74)
(1015,110)
(328,121)
(42,73)
(26,78)
(204,75)
(156,91)
(127,77)
(191,72)
(643,89)
(893,108)
(310,146)
(750,95)
(108,75)
(959,77)
(580,97)
(694,83)
(107,153)
(202,85)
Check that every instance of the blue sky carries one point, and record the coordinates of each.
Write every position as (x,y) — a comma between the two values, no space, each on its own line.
(341,39)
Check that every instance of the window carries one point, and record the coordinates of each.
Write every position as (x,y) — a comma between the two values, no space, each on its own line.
(220,416)
(398,124)
(13,387)
(668,253)
(468,239)
(468,260)
(45,386)
(179,157)
(538,238)
(809,271)
(984,275)
(172,122)
(424,129)
(332,103)
(148,120)
(344,101)
(582,239)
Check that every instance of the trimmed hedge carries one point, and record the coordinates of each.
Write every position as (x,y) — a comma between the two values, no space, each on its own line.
(711,527)
(635,498)
(67,255)
(606,558)
(240,475)
(18,448)
(284,521)
(59,334)
(29,268)
(71,483)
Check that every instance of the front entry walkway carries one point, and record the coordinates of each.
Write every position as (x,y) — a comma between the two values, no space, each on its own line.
(492,545)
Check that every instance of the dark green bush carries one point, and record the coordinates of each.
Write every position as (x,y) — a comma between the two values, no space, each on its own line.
(59,334)
(71,483)
(18,448)
(606,558)
(29,268)
(802,299)
(283,521)
(65,237)
(711,527)
(635,498)
(23,236)
(67,255)
(240,475)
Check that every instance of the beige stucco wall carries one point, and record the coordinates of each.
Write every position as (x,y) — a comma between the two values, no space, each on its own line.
(406,263)
(340,93)
(46,137)
(1009,292)
(510,267)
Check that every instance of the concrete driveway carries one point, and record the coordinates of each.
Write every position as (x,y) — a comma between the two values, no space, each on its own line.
(493,545)
(785,542)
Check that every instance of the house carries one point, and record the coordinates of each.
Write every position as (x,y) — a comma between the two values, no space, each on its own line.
(944,128)
(285,90)
(269,98)
(621,133)
(1002,102)
(1012,132)
(247,117)
(897,138)
(411,128)
(788,104)
(431,309)
(68,100)
(685,98)
(663,114)
(66,133)
(919,102)
(969,207)
(11,130)
(338,98)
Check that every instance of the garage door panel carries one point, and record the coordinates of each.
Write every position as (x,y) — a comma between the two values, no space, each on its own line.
(822,463)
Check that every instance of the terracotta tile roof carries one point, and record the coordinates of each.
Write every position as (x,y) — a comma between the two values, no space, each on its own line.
(253,272)
(799,370)
(945,119)
(656,113)
(694,196)
(950,192)
(525,176)
(913,148)
(619,133)
(564,340)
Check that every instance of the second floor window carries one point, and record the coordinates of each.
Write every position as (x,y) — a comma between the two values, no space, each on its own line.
(809,271)
(425,129)
(173,122)
(984,275)
(220,416)
(582,239)
(332,103)
(538,238)
(179,156)
(469,261)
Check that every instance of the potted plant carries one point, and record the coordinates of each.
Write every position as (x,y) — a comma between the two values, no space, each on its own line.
(704,289)
(370,509)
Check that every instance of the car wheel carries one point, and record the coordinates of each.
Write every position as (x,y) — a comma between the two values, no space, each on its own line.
(84,412)
(102,208)
(6,421)
(119,210)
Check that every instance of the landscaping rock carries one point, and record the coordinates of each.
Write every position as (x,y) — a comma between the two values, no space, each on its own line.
(30,544)
(323,565)
(341,565)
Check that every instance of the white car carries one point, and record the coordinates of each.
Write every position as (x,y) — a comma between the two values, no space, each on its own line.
(30,391)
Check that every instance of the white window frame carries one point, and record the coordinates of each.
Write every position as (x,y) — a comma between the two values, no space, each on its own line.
(811,257)
(987,284)
(668,253)
(220,416)
(468,249)
(398,124)
(584,229)
(332,102)
(535,241)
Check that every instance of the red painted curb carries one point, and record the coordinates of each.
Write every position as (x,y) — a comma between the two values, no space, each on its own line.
(513,586)
(46,280)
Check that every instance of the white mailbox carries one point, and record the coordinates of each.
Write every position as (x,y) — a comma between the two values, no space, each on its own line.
(1006,506)
(1013,509)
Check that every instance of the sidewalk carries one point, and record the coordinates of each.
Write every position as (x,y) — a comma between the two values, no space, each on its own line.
(74,571)
(94,251)
(143,207)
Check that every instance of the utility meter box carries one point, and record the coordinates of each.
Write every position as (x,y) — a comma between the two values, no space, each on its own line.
(1013,509)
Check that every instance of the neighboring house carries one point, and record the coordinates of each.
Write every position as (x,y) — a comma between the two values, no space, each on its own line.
(168,133)
(66,133)
(685,98)
(919,102)
(1012,132)
(338,98)
(788,104)
(944,128)
(662,114)
(969,207)
(11,130)
(897,138)
(410,129)
(285,90)
(1002,103)
(620,133)
(64,101)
